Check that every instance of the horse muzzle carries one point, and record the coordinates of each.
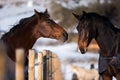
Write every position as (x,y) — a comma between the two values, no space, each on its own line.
(65,36)
(83,50)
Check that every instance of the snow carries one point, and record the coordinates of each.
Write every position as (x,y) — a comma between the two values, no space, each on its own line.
(65,51)
(11,14)
(70,4)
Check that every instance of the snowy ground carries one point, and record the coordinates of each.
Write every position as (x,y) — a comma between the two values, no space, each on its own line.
(67,52)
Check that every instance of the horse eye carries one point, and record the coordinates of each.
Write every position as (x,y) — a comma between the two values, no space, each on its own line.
(48,21)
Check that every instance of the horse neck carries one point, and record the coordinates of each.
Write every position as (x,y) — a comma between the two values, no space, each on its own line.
(107,42)
(23,38)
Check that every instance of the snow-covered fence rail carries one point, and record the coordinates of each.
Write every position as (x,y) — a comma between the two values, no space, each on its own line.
(48,65)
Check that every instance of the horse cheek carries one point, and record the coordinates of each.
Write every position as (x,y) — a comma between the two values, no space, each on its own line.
(44,31)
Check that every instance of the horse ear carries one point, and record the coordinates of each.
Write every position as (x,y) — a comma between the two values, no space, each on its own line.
(36,13)
(76,16)
(46,11)
(84,12)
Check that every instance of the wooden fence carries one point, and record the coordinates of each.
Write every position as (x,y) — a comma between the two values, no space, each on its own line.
(48,65)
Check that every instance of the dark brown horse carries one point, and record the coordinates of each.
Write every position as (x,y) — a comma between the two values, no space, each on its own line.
(26,32)
(93,25)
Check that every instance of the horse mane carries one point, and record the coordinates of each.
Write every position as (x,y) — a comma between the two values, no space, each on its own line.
(110,24)
(17,26)
(20,24)
(104,20)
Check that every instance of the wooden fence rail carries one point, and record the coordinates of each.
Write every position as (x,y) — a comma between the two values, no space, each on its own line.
(48,65)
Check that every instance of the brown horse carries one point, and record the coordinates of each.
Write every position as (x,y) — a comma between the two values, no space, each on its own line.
(26,32)
(93,25)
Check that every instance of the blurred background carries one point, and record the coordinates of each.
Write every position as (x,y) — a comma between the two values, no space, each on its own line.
(11,11)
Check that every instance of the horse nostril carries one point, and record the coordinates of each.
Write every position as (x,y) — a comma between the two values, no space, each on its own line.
(82,50)
(65,34)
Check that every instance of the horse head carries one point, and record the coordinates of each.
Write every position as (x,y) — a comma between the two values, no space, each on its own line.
(84,29)
(46,27)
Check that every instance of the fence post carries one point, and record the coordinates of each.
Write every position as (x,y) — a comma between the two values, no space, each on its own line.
(19,64)
(50,73)
(57,75)
(40,60)
(45,65)
(2,62)
(31,64)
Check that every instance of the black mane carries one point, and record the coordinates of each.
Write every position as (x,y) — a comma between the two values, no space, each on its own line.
(103,19)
